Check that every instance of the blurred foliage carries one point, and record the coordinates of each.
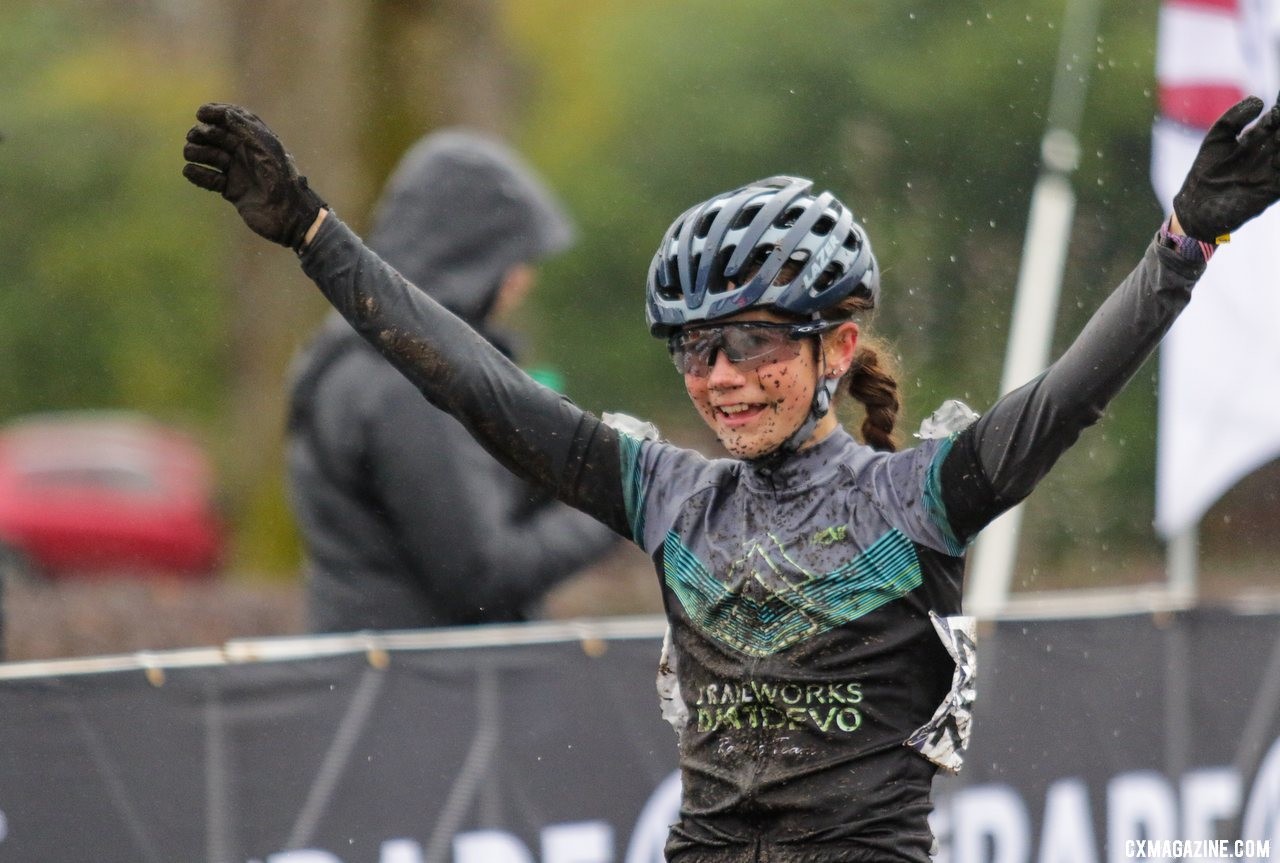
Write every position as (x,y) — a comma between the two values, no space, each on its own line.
(109,300)
(926,117)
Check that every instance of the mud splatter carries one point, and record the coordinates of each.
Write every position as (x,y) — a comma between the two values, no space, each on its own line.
(417,359)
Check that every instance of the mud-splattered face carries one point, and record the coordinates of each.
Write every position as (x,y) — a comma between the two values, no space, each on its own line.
(754,412)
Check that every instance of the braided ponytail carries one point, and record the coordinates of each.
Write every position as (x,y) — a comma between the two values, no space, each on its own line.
(872,380)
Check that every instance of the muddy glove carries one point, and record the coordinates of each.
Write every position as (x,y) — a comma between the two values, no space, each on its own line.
(232,152)
(1234,176)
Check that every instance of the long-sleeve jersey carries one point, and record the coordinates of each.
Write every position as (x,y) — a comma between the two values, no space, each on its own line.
(806,602)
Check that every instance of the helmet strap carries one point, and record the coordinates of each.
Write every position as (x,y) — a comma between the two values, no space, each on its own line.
(824,392)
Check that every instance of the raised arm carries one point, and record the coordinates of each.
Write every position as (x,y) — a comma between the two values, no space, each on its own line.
(998,460)
(535,432)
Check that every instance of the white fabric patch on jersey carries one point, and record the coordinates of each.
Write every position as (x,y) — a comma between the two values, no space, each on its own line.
(628,424)
(945,737)
(951,416)
(674,710)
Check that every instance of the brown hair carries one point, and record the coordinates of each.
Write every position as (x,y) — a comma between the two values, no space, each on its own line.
(872,380)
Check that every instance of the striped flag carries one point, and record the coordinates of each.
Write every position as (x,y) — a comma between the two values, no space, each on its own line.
(1219,416)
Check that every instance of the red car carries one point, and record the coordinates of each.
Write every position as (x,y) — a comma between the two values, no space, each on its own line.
(98,493)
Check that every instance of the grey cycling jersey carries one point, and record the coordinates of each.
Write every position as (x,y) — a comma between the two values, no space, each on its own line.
(809,605)
(802,602)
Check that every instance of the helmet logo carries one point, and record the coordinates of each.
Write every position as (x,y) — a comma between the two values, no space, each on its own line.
(819,262)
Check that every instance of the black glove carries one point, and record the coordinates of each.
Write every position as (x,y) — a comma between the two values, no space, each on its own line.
(232,152)
(1234,176)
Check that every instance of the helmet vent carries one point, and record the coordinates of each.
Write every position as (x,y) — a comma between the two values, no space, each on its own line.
(824,226)
(704,224)
(791,268)
(851,242)
(828,277)
(789,217)
(672,289)
(720,282)
(745,217)
(758,257)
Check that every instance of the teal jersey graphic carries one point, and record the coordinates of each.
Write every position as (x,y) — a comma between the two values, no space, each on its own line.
(770,602)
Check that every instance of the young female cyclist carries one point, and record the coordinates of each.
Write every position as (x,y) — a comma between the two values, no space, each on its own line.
(808,580)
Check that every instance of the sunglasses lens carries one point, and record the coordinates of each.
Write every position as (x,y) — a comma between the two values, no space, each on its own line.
(748,346)
(691,352)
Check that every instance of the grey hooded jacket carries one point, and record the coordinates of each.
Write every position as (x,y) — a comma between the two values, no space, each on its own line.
(406,521)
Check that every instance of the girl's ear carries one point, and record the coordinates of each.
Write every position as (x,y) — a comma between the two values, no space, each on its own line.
(838,347)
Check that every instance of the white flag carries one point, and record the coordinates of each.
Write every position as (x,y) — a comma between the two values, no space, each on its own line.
(1219,415)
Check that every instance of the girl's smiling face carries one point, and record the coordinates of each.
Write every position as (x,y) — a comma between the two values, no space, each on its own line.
(753,412)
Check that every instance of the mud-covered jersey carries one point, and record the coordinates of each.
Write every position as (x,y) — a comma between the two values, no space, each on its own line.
(802,602)
(809,605)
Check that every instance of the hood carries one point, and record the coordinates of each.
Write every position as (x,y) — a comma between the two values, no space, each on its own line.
(458,212)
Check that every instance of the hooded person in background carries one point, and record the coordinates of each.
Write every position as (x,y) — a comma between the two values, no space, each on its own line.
(406,520)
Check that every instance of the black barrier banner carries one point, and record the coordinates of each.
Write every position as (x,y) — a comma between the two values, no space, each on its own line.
(1127,737)
(544,752)
(1117,738)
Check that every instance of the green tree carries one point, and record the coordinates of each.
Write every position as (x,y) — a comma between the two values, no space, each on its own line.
(109,300)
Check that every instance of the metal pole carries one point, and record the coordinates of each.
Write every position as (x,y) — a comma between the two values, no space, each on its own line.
(1044,255)
(1182,554)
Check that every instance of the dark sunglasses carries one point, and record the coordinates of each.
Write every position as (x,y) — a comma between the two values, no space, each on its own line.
(748,344)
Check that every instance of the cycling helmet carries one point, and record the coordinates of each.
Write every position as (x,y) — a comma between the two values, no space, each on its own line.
(693,277)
